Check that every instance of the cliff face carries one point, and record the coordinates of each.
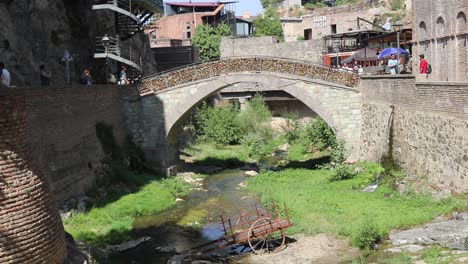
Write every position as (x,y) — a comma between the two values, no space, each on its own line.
(38,32)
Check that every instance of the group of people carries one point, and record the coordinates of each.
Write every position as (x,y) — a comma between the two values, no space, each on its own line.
(45,76)
(424,66)
(354,67)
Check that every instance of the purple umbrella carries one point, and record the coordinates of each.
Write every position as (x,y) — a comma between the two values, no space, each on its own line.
(389,51)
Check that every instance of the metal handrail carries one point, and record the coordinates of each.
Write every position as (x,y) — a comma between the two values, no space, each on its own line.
(118,48)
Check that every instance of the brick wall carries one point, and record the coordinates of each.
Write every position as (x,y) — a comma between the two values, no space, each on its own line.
(30,227)
(61,134)
(428,127)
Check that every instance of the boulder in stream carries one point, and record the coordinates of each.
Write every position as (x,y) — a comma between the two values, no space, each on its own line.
(451,234)
(127,245)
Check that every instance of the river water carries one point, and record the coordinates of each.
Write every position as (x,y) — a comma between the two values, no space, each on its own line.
(191,222)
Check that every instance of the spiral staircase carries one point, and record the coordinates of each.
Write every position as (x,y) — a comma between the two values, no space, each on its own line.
(130,17)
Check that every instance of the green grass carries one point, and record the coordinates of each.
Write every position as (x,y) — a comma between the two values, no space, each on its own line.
(209,154)
(111,222)
(317,205)
(299,152)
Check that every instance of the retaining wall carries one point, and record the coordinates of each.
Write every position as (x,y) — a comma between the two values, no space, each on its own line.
(423,127)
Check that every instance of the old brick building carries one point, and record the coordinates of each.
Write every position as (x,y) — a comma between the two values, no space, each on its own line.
(441,34)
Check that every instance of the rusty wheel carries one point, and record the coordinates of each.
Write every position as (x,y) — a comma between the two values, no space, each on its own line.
(266,235)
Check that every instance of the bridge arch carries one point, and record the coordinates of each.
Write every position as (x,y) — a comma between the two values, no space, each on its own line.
(338,103)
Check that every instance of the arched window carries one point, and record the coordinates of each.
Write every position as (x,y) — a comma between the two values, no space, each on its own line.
(422,30)
(461,22)
(440,26)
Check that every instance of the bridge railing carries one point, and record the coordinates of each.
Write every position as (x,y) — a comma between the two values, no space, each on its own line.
(214,68)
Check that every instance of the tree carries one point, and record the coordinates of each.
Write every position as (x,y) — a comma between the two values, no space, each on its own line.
(268,24)
(270,3)
(208,39)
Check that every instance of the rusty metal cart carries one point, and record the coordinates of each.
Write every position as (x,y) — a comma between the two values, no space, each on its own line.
(262,230)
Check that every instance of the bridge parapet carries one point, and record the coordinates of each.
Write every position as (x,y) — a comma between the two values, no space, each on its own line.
(202,71)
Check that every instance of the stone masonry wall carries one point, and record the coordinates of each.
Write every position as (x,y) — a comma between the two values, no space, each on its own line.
(61,133)
(30,227)
(307,50)
(429,128)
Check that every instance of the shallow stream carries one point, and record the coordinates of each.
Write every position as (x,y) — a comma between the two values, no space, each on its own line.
(191,222)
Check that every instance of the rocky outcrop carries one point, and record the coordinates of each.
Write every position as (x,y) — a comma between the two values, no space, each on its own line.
(450,234)
(38,32)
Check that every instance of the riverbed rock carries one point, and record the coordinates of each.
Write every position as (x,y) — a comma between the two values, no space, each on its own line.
(179,200)
(460,216)
(406,248)
(450,234)
(370,188)
(127,245)
(251,173)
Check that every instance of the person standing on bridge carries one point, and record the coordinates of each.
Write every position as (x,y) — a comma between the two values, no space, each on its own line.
(392,64)
(123,80)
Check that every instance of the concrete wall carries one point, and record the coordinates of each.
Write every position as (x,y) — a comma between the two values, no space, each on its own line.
(30,227)
(268,46)
(423,127)
(61,133)
(440,32)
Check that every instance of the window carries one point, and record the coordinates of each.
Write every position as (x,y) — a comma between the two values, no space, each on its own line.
(440,26)
(422,30)
(461,22)
(333,29)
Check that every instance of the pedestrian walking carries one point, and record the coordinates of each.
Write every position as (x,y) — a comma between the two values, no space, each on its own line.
(44,75)
(86,77)
(123,80)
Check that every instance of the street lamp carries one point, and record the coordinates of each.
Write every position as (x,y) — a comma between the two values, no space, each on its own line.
(106,41)
(67,58)
(397,27)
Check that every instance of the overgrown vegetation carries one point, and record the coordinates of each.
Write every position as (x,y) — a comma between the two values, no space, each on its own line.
(208,39)
(251,128)
(110,220)
(318,205)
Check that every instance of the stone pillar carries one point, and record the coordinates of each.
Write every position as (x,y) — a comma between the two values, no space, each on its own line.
(31,230)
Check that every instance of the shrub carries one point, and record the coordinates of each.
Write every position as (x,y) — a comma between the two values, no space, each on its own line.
(255,115)
(291,128)
(318,133)
(342,172)
(339,153)
(219,125)
(367,235)
(255,145)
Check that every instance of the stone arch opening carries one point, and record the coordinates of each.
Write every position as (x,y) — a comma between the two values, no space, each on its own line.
(461,22)
(422,30)
(440,26)
(325,99)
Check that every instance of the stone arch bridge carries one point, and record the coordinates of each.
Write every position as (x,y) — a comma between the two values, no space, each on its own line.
(168,97)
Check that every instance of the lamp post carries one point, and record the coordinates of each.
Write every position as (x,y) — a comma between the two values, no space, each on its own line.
(67,58)
(105,41)
(397,27)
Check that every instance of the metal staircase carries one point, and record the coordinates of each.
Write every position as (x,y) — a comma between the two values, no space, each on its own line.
(130,17)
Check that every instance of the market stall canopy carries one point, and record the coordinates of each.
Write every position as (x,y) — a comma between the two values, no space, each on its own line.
(366,54)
